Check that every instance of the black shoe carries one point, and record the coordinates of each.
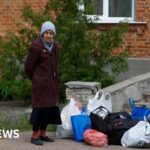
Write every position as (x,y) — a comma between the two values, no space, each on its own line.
(36,141)
(46,138)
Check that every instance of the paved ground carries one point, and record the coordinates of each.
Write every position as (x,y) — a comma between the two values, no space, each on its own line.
(23,143)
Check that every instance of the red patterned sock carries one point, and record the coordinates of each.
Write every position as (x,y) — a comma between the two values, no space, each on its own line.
(35,134)
(42,133)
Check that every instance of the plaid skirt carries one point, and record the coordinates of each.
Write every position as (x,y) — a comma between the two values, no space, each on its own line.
(45,116)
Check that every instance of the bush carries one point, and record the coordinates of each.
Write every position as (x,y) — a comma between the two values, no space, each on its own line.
(84,55)
(15,90)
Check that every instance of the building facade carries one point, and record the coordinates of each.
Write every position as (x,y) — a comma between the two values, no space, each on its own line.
(110,12)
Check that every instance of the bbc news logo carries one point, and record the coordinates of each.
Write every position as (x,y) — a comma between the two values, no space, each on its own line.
(9,134)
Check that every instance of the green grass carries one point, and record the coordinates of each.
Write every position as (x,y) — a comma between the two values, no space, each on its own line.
(21,124)
(11,123)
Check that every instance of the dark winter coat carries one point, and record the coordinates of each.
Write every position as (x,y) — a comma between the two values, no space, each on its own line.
(41,67)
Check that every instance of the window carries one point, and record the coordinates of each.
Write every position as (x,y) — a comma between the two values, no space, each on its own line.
(120,8)
(108,10)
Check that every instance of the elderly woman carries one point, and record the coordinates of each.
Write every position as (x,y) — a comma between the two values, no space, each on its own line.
(41,66)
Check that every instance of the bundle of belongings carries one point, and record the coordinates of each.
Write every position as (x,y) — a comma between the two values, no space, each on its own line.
(122,128)
(98,126)
(114,125)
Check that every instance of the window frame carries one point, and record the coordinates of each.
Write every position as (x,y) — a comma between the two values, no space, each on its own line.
(106,19)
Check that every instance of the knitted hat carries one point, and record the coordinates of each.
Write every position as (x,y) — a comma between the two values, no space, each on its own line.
(48,25)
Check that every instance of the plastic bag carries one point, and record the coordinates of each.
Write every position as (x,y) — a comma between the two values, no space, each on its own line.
(138,112)
(79,124)
(101,119)
(67,112)
(65,130)
(137,136)
(61,132)
(95,138)
(100,99)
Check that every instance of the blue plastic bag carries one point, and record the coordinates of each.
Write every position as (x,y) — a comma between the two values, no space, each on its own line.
(138,112)
(79,124)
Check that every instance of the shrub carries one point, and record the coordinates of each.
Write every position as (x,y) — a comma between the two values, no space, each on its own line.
(84,55)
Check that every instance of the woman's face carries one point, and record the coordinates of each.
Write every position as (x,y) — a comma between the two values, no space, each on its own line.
(48,36)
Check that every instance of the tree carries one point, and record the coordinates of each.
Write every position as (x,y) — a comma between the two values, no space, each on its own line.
(84,55)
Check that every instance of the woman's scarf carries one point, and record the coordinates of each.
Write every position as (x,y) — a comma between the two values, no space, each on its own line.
(48,45)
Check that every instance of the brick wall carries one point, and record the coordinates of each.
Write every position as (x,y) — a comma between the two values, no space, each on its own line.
(142,41)
(11,10)
(138,38)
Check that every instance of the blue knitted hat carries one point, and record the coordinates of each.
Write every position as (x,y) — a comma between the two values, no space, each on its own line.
(48,25)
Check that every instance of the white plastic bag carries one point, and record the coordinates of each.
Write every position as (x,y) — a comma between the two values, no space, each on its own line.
(71,109)
(100,99)
(63,133)
(137,136)
(65,130)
